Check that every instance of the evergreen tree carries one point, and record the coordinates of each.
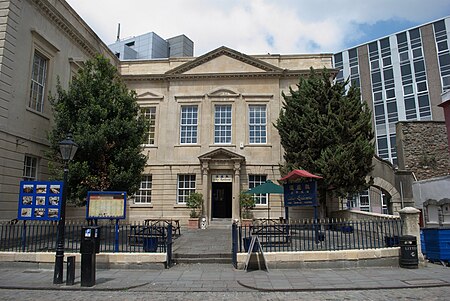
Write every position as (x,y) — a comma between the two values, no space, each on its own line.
(327,131)
(103,116)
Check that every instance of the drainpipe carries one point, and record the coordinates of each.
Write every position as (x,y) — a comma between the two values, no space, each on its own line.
(401,193)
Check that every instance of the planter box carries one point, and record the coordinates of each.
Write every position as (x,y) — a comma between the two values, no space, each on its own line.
(193,223)
(246,222)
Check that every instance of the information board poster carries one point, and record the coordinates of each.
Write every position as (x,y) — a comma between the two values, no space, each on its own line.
(40,200)
(106,205)
(300,194)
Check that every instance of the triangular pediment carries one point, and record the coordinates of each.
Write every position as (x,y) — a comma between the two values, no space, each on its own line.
(224,60)
(221,154)
(223,92)
(149,96)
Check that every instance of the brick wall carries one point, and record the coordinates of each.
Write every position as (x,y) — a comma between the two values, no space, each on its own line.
(422,148)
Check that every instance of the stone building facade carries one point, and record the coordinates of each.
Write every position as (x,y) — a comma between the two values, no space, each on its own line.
(40,42)
(213,129)
(423,149)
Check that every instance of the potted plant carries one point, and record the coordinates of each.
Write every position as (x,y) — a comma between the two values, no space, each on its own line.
(195,203)
(247,203)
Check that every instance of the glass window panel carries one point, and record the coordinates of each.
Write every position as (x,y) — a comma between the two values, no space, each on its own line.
(188,125)
(255,180)
(186,185)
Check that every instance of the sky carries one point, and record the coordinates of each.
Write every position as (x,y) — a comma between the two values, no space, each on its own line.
(260,26)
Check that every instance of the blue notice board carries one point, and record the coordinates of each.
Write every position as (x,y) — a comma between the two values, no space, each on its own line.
(40,200)
(300,194)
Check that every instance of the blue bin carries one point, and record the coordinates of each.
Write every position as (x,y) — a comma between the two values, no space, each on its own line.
(437,243)
(247,241)
(150,244)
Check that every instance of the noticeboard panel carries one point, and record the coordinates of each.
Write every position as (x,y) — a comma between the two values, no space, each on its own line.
(106,205)
(300,194)
(40,200)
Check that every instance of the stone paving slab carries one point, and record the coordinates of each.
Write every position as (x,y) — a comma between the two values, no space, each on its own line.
(215,277)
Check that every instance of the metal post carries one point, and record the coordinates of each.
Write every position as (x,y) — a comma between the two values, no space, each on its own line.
(59,258)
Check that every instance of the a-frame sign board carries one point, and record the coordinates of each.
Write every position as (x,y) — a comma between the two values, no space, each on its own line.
(256,258)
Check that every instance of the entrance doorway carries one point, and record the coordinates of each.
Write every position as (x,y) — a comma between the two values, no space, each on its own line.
(221,200)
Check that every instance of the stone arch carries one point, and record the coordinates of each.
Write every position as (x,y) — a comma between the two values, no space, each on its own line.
(387,187)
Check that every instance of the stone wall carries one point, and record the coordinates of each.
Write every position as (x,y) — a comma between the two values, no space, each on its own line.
(422,148)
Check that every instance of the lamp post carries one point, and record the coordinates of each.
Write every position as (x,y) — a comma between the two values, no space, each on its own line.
(68,148)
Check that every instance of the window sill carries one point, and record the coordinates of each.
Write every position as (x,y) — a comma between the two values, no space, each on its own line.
(222,145)
(184,206)
(149,146)
(187,145)
(260,207)
(38,113)
(258,145)
(141,205)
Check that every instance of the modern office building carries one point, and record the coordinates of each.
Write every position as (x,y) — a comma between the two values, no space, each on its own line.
(152,46)
(401,76)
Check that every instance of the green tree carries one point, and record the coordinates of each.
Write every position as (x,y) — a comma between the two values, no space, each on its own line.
(103,116)
(327,131)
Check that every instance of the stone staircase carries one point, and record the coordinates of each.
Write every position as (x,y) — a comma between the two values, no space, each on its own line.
(212,245)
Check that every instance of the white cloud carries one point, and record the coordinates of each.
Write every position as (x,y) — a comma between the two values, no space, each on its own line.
(254,26)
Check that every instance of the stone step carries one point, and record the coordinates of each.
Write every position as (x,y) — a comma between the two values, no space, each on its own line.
(202,258)
(220,223)
(203,255)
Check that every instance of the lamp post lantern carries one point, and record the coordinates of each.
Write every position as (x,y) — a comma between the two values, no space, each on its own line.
(68,148)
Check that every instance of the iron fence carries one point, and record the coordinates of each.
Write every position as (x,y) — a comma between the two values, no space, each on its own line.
(41,236)
(307,235)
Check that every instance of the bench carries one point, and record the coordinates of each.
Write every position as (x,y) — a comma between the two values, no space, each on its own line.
(175,223)
(271,231)
(139,233)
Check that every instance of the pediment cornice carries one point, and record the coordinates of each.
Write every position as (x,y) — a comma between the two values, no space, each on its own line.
(226,52)
(51,12)
(221,154)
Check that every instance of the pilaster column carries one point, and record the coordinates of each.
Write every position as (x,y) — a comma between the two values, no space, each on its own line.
(205,188)
(236,190)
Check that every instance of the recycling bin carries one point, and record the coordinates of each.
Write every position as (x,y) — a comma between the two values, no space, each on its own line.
(90,246)
(409,258)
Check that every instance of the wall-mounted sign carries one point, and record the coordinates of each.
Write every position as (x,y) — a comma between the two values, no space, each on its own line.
(300,194)
(222,178)
(106,205)
(40,200)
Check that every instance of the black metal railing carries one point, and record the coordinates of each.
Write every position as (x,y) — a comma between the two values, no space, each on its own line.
(41,236)
(307,235)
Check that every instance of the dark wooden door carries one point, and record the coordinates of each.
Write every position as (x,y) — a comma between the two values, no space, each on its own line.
(221,200)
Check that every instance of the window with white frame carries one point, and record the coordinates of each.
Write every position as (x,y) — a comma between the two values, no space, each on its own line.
(384,203)
(149,114)
(256,180)
(222,124)
(30,168)
(257,124)
(188,124)
(186,186)
(364,201)
(38,81)
(144,195)
(352,201)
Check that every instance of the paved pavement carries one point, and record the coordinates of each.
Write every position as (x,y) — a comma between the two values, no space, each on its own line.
(224,278)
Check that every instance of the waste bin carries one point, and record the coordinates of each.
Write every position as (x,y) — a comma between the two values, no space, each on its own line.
(150,244)
(408,252)
(90,245)
(247,241)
